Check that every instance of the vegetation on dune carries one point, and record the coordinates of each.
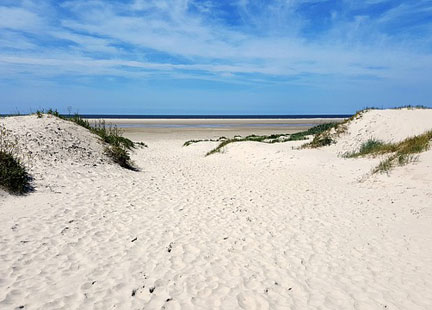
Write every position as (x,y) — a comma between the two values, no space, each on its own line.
(370,147)
(222,145)
(118,147)
(412,107)
(275,138)
(120,156)
(401,153)
(319,141)
(13,174)
(141,144)
(326,137)
(189,142)
(112,135)
(322,136)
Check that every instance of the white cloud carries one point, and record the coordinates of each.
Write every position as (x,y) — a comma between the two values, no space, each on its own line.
(152,37)
(18,19)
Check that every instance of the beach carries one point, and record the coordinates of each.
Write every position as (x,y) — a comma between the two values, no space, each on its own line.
(257,226)
(209,128)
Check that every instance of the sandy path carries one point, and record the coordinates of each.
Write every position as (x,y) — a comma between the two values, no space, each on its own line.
(254,228)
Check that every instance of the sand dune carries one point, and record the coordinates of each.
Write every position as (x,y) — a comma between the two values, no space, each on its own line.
(257,227)
(388,126)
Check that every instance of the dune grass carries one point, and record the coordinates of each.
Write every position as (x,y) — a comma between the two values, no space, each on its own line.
(117,148)
(326,137)
(274,138)
(401,153)
(14,177)
(13,174)
(190,142)
(411,107)
(370,147)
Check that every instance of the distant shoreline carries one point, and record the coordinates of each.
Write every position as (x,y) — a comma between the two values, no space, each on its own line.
(145,129)
(197,116)
(179,117)
(215,123)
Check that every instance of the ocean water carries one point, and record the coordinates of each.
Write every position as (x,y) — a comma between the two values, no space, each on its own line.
(212,117)
(291,116)
(210,125)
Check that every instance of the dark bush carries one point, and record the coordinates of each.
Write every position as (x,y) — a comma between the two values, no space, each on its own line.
(13,175)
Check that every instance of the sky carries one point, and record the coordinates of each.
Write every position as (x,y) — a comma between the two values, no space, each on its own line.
(214,56)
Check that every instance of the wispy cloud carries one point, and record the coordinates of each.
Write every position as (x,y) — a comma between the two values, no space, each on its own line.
(308,42)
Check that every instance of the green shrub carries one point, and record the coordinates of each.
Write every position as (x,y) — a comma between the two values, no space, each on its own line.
(120,156)
(13,175)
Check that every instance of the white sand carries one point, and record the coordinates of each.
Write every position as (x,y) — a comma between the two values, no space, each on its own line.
(258,227)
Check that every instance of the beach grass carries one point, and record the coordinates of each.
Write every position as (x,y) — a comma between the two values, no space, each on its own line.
(274,138)
(14,177)
(401,153)
(370,147)
(325,137)
(117,148)
(190,142)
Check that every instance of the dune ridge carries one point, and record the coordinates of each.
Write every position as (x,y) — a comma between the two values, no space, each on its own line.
(390,126)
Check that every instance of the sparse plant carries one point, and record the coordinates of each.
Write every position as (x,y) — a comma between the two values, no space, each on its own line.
(142,144)
(402,152)
(412,107)
(118,146)
(275,138)
(13,173)
(77,119)
(221,146)
(54,112)
(383,166)
(319,141)
(371,146)
(189,142)
(111,135)
(120,156)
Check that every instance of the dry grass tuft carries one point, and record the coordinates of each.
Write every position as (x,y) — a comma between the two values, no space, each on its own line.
(401,153)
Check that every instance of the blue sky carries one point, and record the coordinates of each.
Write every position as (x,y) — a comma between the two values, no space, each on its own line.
(214,57)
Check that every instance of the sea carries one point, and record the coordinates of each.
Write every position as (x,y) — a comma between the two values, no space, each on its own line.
(208,117)
(213,117)
(269,116)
